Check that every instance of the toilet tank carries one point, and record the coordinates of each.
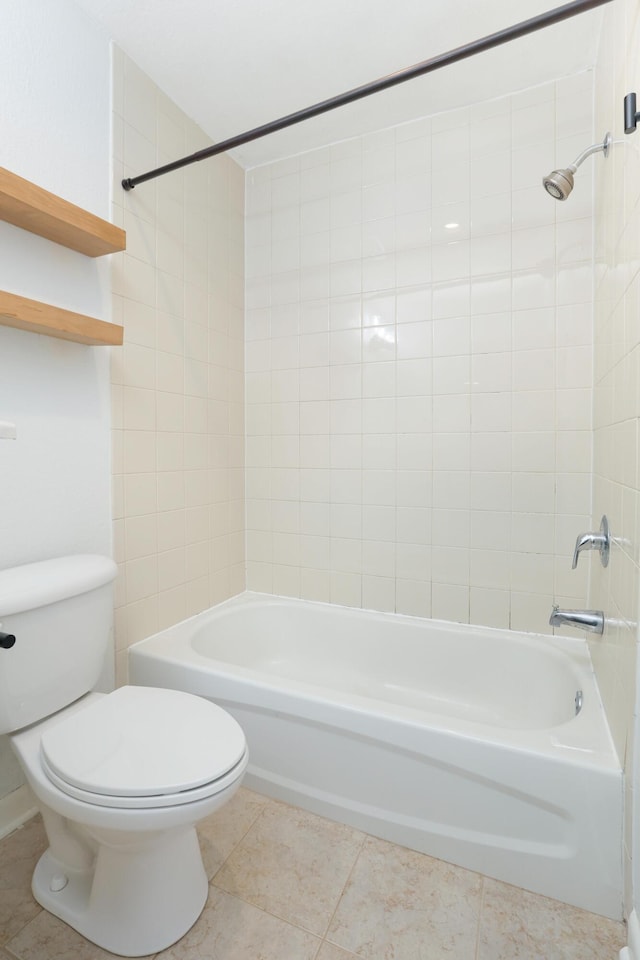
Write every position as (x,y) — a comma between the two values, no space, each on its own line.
(60,612)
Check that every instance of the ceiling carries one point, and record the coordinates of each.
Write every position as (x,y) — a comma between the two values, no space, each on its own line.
(232,65)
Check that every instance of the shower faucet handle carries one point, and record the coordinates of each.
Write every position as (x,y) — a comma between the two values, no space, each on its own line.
(594,541)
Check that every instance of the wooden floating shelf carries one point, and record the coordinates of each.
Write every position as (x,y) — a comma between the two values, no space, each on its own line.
(32,208)
(25,314)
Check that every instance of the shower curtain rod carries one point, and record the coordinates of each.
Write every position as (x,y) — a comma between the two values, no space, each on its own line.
(514,32)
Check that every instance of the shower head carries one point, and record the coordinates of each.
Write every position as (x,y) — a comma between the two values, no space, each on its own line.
(559,183)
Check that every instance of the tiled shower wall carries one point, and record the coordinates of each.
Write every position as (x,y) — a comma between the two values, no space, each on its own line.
(617,402)
(419,365)
(178,418)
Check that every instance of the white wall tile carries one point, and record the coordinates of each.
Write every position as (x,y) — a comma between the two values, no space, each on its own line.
(434,383)
(167,488)
(450,602)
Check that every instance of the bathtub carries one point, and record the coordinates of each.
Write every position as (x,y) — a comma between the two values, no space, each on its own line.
(460,742)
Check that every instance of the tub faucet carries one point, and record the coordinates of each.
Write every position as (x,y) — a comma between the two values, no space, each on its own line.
(591,620)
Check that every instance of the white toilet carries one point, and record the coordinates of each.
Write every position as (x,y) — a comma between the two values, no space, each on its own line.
(122,778)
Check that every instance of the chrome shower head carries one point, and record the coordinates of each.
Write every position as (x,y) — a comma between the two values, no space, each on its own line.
(559,183)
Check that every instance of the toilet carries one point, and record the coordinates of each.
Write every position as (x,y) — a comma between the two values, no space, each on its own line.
(122,778)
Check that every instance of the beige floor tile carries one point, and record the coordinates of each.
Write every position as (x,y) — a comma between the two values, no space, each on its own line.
(19,853)
(220,833)
(230,929)
(288,870)
(517,925)
(399,904)
(47,938)
(292,864)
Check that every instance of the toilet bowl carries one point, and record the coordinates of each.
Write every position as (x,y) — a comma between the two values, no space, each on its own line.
(123,865)
(121,779)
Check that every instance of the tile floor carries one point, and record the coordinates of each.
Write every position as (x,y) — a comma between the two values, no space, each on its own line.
(288,885)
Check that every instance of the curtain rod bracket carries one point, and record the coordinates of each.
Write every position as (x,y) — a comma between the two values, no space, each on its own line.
(631,116)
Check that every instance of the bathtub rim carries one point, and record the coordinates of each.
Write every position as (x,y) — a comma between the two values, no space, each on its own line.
(583,739)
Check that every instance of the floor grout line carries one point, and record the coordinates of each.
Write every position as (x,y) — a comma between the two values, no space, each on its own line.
(9,954)
(258,816)
(344,887)
(268,913)
(476,953)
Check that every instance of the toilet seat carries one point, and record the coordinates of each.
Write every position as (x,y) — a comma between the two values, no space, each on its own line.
(144,747)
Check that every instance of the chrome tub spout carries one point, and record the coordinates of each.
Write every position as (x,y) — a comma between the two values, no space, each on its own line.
(591,620)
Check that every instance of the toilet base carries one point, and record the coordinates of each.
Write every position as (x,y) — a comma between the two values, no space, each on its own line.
(142,893)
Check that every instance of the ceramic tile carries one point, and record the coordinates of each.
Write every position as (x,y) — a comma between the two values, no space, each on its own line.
(400,904)
(48,938)
(19,853)
(293,864)
(519,924)
(178,371)
(220,833)
(229,929)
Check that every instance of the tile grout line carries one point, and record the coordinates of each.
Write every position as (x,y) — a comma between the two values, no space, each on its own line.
(476,953)
(342,892)
(9,954)
(242,838)
(267,913)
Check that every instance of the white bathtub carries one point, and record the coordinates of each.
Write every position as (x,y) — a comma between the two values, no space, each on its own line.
(461,742)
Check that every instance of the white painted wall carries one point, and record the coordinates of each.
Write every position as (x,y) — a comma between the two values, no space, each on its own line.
(54,479)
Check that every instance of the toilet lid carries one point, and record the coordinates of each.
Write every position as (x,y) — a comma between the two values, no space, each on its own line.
(142,742)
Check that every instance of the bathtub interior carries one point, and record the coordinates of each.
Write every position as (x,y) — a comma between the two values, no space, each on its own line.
(492,677)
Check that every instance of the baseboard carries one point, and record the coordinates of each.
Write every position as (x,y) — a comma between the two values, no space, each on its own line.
(632,950)
(16,808)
